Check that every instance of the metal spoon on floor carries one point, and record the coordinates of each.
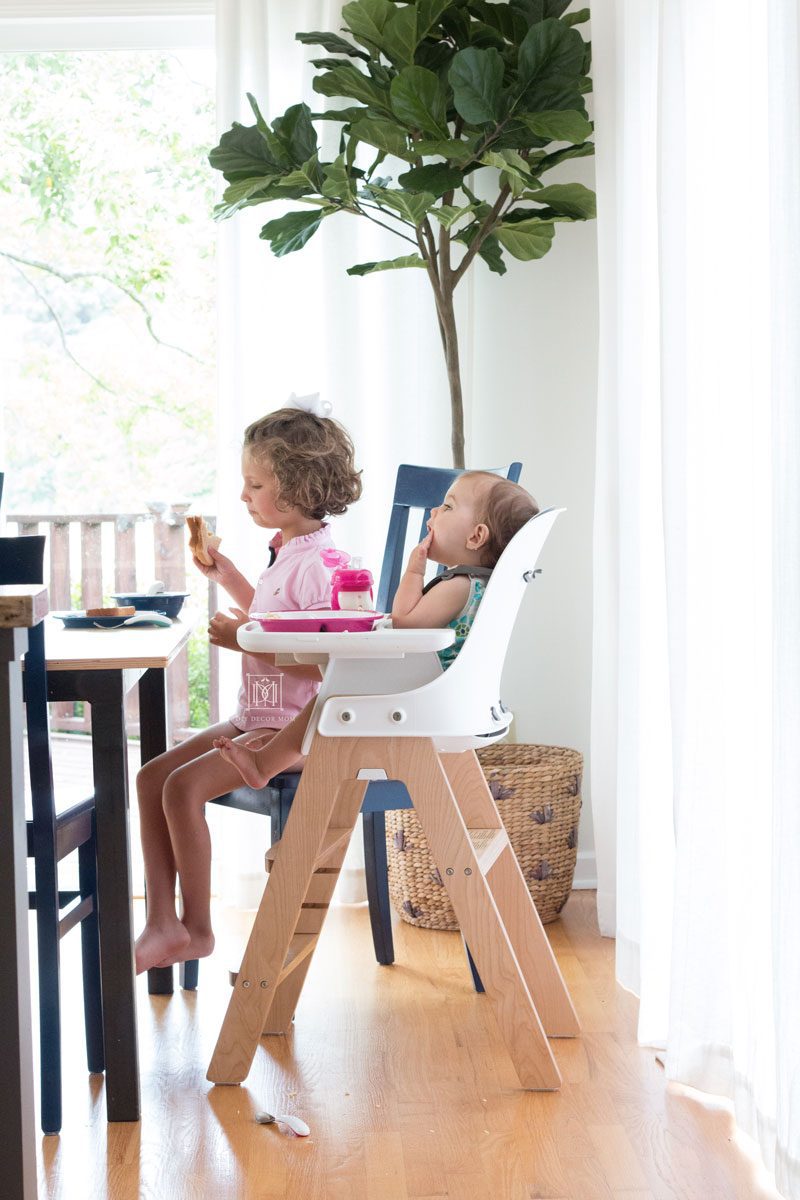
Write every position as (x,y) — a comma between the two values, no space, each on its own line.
(297,1126)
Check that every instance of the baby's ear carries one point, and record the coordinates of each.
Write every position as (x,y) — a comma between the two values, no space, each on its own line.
(479,537)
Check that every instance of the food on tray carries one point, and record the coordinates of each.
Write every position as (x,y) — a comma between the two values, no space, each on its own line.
(317,620)
(125,610)
(200,538)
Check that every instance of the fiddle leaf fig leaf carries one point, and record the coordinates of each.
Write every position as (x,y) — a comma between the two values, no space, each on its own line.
(366,20)
(447,214)
(383,134)
(459,151)
(565,125)
(243,154)
(239,195)
(347,115)
(502,17)
(476,77)
(418,100)
(331,42)
(408,26)
(568,199)
(490,250)
(309,176)
(338,183)
(292,231)
(261,124)
(389,264)
(577,18)
(549,49)
(347,80)
(413,208)
(436,178)
(549,161)
(296,133)
(526,240)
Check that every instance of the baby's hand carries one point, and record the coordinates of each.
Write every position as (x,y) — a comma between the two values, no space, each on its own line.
(418,559)
(222,629)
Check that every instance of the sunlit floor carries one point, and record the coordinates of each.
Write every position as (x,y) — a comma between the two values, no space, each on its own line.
(406,1086)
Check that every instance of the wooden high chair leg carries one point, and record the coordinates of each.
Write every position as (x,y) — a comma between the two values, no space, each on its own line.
(473,862)
(523,926)
(479,871)
(306,865)
(315,909)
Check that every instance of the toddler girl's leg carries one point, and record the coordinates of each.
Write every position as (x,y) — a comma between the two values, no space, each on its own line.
(163,932)
(186,791)
(282,751)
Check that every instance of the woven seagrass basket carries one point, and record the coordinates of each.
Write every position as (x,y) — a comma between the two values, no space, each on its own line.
(537,790)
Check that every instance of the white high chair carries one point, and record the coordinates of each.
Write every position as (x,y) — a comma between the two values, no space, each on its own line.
(387,710)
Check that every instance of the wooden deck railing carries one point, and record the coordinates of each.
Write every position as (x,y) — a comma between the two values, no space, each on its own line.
(79,538)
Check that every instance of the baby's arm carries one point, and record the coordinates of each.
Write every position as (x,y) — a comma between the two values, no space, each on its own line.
(436,609)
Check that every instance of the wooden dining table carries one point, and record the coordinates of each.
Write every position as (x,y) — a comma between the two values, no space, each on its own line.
(100,667)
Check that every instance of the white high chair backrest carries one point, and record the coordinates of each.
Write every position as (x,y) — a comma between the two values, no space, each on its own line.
(458,708)
(479,665)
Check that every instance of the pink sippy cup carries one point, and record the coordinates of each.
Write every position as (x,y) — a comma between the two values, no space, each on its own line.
(351,587)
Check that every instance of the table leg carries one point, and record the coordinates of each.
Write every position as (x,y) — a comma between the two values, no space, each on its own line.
(18,1160)
(106,694)
(153,735)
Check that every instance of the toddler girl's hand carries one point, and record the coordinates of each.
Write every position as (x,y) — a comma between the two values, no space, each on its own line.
(222,629)
(418,559)
(221,570)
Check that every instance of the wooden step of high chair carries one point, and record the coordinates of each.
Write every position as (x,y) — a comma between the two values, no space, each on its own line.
(479,870)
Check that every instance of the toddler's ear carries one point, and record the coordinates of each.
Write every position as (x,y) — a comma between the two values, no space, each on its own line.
(479,537)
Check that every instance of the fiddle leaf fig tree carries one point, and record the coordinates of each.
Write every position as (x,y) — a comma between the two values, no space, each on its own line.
(443,103)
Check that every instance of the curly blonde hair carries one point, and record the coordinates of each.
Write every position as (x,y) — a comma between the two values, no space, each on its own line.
(312,459)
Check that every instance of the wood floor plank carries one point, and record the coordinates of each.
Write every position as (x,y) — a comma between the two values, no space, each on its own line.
(407,1087)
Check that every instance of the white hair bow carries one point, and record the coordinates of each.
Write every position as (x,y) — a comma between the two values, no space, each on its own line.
(311,404)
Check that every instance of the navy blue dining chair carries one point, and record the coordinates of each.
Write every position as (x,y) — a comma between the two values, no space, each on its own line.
(417,490)
(52,835)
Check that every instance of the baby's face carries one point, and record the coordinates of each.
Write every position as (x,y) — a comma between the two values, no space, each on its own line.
(453,522)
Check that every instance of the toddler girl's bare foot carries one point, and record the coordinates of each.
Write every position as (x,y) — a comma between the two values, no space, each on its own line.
(160,941)
(199,944)
(243,759)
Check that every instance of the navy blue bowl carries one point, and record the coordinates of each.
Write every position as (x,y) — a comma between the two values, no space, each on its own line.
(170,603)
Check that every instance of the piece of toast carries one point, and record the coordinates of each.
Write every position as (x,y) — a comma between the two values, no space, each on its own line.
(124,610)
(200,538)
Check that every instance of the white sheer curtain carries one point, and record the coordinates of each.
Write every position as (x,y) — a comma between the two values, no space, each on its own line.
(301,324)
(696,688)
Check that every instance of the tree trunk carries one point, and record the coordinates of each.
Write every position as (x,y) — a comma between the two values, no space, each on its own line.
(447,318)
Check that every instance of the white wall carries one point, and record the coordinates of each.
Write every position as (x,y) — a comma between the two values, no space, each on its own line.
(532,370)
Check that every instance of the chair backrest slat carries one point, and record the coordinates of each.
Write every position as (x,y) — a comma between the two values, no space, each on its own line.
(417,489)
(22,559)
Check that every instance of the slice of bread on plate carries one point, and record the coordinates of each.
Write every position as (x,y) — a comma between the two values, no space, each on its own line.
(124,610)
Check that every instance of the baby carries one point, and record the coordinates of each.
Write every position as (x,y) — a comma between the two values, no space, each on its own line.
(467,532)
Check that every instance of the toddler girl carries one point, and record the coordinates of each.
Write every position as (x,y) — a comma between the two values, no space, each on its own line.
(297,468)
(469,530)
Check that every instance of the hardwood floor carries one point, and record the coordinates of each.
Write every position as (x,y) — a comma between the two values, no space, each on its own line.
(407,1088)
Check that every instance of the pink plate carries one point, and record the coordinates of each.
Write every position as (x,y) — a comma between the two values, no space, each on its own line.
(320,620)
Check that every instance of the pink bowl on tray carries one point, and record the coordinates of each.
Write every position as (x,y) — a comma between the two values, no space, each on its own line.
(317,621)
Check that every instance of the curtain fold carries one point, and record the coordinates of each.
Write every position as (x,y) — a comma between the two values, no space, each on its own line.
(696,702)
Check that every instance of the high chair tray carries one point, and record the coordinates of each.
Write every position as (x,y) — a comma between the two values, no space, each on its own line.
(377,643)
(319,620)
